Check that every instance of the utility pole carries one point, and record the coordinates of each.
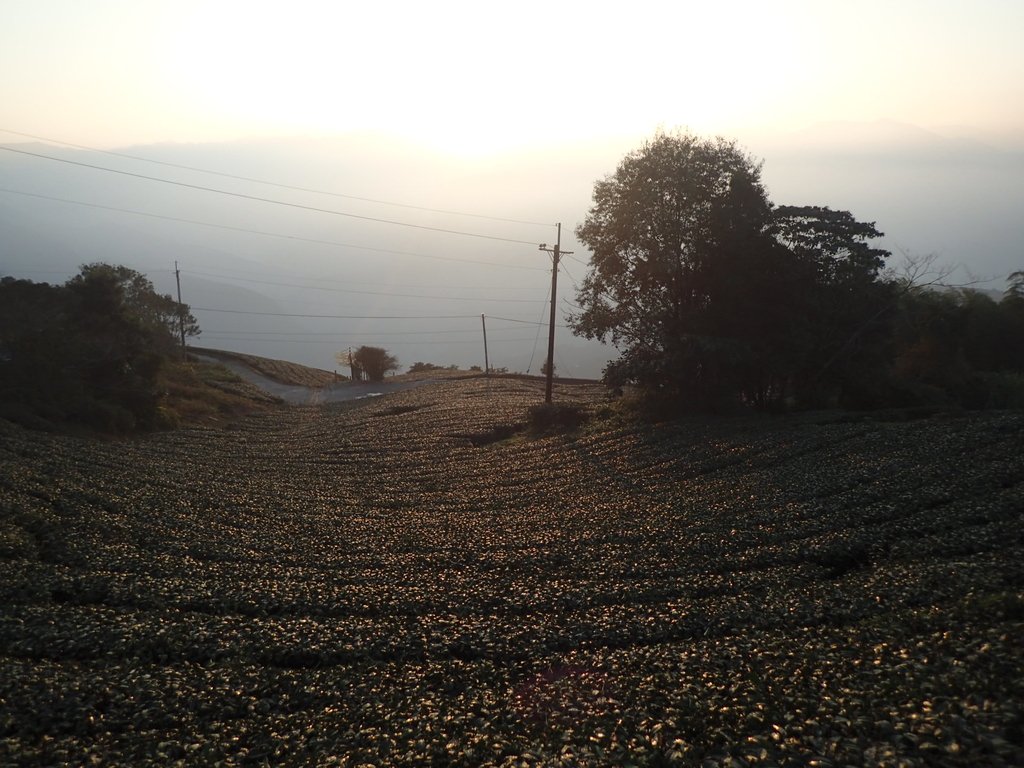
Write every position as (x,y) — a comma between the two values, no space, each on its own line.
(181,308)
(555,252)
(487,364)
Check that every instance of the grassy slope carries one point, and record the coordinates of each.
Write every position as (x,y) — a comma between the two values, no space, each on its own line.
(360,581)
(208,394)
(279,370)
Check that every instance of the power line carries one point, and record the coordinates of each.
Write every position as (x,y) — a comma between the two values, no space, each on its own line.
(366,317)
(361,335)
(320,279)
(257,198)
(576,285)
(527,322)
(536,337)
(569,275)
(263,233)
(338,317)
(277,184)
(370,293)
(344,339)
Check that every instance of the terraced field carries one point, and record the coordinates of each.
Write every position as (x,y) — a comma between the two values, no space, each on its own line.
(383,583)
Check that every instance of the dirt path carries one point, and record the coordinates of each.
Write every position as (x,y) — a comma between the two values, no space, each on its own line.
(299,395)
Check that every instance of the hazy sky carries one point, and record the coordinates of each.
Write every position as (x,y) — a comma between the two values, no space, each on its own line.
(476,76)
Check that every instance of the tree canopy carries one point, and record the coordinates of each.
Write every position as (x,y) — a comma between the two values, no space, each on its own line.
(160,315)
(90,350)
(711,294)
(707,290)
(371,363)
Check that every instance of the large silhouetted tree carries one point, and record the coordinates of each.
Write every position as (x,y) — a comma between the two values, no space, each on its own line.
(708,291)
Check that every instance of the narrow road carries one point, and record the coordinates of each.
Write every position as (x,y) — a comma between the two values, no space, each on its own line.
(299,395)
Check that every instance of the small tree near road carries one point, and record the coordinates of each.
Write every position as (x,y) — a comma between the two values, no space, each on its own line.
(374,362)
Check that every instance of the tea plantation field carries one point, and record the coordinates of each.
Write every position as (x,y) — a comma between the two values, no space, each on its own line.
(386,583)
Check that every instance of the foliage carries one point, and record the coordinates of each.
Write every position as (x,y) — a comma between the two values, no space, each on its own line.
(160,315)
(424,367)
(89,351)
(207,394)
(374,362)
(837,339)
(556,417)
(1015,285)
(834,241)
(369,363)
(962,344)
(715,297)
(708,292)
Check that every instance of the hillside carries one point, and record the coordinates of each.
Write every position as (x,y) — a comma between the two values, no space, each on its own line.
(385,582)
(282,371)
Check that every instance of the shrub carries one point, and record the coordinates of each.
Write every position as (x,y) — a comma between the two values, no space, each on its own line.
(556,417)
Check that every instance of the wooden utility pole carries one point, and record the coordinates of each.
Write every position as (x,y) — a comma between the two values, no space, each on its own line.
(555,252)
(487,364)
(181,307)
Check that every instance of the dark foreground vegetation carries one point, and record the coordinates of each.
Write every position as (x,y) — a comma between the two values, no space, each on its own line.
(100,351)
(413,581)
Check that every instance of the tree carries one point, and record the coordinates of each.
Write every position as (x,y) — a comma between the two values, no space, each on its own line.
(374,362)
(680,239)
(834,241)
(846,310)
(1015,285)
(708,291)
(90,350)
(162,316)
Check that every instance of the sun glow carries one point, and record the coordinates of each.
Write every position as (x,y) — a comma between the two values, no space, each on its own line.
(466,82)
(471,78)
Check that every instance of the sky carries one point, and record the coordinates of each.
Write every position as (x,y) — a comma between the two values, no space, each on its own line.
(472,77)
(907,113)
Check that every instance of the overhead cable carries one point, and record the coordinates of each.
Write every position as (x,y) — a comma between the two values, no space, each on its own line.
(276,184)
(460,331)
(266,234)
(272,201)
(341,339)
(369,293)
(338,317)
(367,317)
